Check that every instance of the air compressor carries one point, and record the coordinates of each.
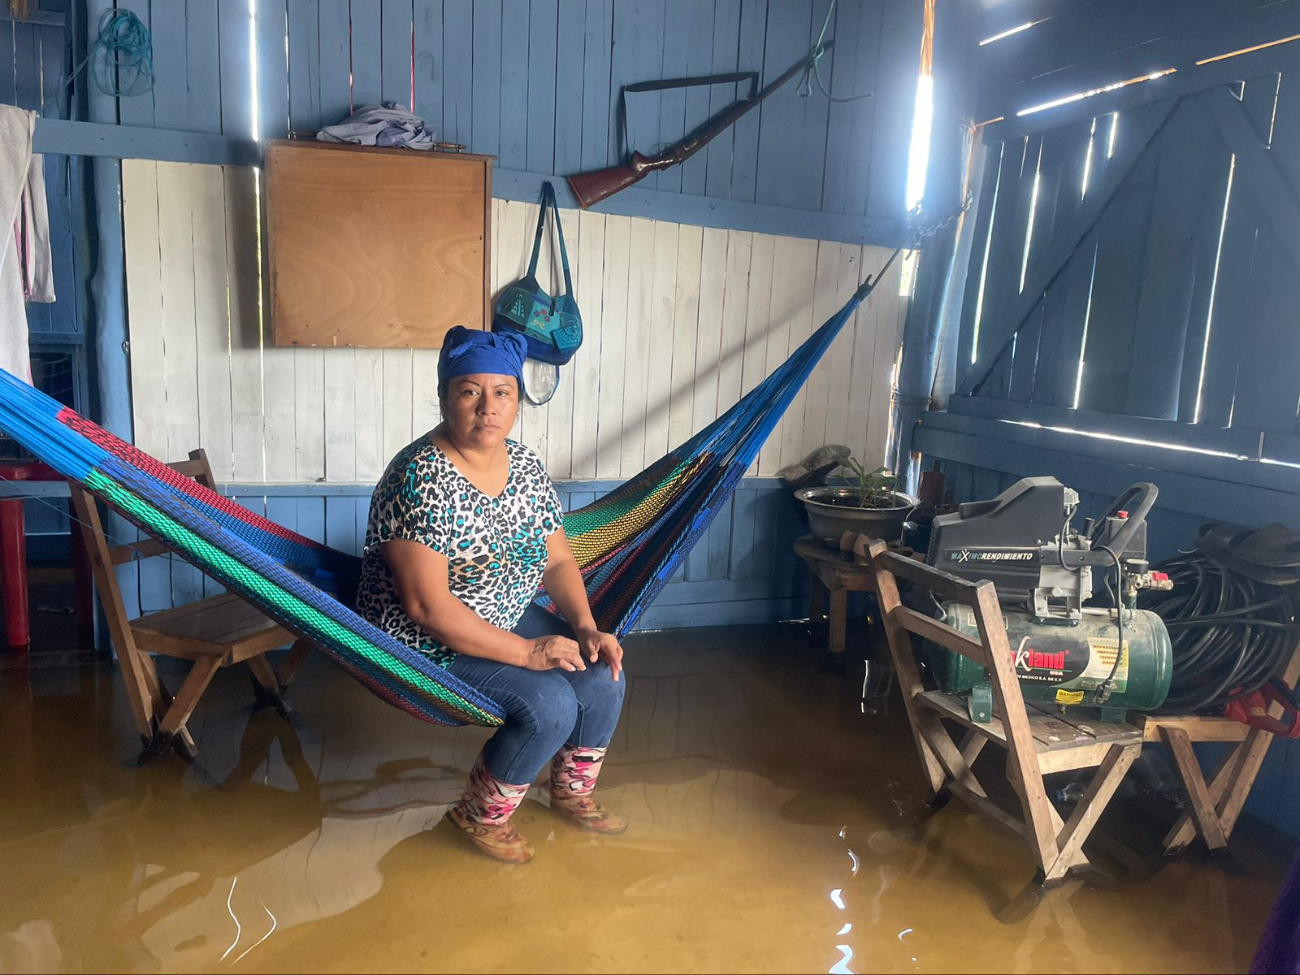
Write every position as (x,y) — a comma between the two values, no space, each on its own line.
(1118,658)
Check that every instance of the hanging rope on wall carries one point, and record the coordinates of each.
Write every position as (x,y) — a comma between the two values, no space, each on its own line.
(813,71)
(121,56)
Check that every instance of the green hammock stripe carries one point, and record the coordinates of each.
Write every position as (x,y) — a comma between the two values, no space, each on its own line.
(243,577)
(596,516)
(581,522)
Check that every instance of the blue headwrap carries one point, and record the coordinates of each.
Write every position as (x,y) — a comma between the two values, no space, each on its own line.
(466,351)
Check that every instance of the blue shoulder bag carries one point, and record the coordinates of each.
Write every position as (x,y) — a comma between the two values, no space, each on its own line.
(551,326)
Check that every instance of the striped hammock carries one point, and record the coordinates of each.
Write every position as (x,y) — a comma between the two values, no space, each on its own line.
(627,544)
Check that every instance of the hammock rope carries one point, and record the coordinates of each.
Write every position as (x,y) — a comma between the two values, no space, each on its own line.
(628,543)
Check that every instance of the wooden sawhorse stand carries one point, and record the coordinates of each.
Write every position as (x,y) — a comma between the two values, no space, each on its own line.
(1213,807)
(1031,752)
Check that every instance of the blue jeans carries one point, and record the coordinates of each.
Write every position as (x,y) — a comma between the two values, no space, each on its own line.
(545,709)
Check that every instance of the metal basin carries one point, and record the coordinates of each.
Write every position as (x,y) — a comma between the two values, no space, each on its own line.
(832,511)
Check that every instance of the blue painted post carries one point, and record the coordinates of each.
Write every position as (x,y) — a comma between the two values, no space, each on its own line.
(953,102)
(108,294)
(107,306)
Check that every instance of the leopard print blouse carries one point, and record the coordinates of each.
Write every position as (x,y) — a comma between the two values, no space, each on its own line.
(495,547)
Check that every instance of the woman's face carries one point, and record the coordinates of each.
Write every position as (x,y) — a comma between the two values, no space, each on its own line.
(480,409)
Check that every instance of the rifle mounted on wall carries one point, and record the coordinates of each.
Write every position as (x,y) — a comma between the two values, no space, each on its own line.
(590,188)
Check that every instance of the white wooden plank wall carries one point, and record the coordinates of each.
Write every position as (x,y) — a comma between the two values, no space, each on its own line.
(680,322)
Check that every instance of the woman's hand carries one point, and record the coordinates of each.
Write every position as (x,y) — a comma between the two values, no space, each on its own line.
(601,646)
(564,585)
(554,653)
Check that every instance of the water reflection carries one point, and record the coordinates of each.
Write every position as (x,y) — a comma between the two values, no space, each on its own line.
(746,771)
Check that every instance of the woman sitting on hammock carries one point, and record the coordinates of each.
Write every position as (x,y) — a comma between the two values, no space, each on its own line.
(463,526)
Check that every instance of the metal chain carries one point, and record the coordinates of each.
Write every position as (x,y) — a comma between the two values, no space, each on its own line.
(918,231)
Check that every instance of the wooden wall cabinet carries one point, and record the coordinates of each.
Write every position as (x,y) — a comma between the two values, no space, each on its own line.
(376,248)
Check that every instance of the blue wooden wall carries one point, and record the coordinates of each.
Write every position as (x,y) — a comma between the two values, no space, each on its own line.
(536,83)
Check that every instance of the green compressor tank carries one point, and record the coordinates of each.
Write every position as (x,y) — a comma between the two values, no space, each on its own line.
(1066,664)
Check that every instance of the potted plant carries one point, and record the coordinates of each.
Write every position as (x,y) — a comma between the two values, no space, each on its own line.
(866,504)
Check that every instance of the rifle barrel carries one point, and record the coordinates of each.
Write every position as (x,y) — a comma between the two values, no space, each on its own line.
(592,187)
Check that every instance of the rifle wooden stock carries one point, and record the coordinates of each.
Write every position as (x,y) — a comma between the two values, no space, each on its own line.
(590,188)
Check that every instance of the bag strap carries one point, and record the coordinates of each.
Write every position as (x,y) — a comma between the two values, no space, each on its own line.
(548,198)
(564,254)
(541,228)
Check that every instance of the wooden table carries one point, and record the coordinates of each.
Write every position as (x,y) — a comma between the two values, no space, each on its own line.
(831,573)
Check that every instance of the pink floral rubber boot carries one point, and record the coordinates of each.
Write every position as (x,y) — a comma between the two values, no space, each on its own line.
(484,815)
(573,777)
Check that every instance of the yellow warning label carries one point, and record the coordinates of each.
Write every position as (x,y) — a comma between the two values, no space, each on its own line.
(1068,697)
(1101,660)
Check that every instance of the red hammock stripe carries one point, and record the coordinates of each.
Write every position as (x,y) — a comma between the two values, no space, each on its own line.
(160,471)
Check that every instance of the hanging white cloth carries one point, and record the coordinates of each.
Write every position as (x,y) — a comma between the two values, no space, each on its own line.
(38,261)
(16,127)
